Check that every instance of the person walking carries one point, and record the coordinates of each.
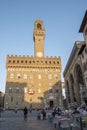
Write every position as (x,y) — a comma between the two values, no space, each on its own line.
(25,110)
(16,109)
(44,114)
(30,110)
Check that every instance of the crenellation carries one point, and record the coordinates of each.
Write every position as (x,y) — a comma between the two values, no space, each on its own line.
(11,56)
(52,57)
(7,55)
(15,56)
(28,56)
(23,55)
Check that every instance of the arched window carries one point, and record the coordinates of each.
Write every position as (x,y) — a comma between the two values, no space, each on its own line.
(11,99)
(17,90)
(10,90)
(18,76)
(11,76)
(25,76)
(49,76)
(39,26)
(39,76)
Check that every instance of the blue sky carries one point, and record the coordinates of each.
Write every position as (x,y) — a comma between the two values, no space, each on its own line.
(62,20)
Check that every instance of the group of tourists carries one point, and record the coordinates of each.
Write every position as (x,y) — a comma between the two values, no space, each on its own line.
(57,111)
(82,110)
(41,114)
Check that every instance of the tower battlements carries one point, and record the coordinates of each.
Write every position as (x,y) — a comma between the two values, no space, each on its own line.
(28,56)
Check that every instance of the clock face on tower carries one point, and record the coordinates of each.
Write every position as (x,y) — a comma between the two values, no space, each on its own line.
(39,54)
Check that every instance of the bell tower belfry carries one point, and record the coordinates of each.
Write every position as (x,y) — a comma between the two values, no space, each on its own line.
(38,37)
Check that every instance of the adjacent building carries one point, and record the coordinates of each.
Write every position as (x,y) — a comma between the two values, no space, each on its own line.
(75,73)
(83,50)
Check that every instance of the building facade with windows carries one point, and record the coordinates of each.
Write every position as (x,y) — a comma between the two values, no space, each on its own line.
(29,77)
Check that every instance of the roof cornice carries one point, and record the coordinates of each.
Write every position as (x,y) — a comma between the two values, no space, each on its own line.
(83,22)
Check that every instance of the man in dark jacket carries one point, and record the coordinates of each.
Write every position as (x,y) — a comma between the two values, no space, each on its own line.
(25,113)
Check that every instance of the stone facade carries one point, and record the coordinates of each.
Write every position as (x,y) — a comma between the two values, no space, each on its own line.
(1,99)
(53,97)
(83,50)
(75,73)
(73,76)
(29,77)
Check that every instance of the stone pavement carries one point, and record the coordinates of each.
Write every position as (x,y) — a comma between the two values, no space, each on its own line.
(15,121)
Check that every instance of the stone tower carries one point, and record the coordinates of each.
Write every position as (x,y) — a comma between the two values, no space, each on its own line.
(34,81)
(38,36)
